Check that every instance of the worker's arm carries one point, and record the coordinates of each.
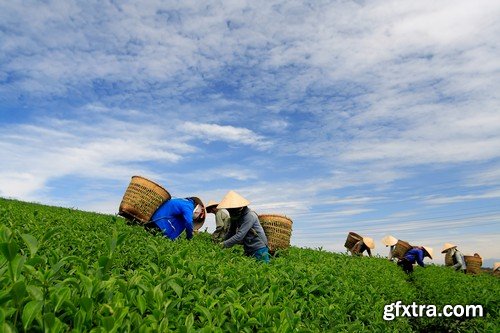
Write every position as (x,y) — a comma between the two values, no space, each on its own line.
(246,224)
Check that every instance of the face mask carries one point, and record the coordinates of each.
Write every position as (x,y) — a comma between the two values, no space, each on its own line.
(235,212)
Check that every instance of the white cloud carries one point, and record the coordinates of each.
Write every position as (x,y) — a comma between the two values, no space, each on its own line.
(351,200)
(440,200)
(276,125)
(337,97)
(214,132)
(20,184)
(489,176)
(228,171)
(328,216)
(106,149)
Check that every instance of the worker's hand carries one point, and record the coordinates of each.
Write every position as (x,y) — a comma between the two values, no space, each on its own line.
(221,245)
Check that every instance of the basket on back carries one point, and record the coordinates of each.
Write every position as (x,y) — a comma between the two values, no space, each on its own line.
(448,259)
(278,230)
(352,239)
(401,248)
(141,199)
(473,263)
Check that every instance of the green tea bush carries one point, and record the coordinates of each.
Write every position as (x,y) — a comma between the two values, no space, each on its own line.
(64,270)
(442,286)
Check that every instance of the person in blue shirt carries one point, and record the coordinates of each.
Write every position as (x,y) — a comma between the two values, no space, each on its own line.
(415,255)
(179,214)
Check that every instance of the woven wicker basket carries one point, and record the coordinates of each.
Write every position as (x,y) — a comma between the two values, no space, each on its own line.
(141,199)
(352,239)
(278,230)
(401,248)
(473,263)
(448,259)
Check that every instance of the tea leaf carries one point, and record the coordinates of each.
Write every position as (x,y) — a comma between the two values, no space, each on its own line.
(30,311)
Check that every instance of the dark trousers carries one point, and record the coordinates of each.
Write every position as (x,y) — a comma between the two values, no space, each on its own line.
(152,227)
(406,265)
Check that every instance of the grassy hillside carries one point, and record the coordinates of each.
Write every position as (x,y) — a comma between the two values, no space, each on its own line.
(63,270)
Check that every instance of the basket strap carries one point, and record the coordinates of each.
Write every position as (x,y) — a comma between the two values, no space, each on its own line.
(255,233)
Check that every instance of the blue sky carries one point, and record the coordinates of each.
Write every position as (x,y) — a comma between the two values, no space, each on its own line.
(378,117)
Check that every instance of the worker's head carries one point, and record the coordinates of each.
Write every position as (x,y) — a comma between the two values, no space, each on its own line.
(447,247)
(234,203)
(199,213)
(389,240)
(369,242)
(212,207)
(428,251)
(235,212)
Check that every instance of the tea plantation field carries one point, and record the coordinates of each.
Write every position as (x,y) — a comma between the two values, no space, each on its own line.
(64,270)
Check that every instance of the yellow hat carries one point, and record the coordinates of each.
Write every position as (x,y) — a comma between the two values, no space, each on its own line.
(211,203)
(233,200)
(389,240)
(429,251)
(447,246)
(496,266)
(369,242)
(198,223)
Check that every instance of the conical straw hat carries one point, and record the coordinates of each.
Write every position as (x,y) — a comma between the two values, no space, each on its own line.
(389,240)
(429,250)
(199,223)
(233,200)
(496,266)
(211,203)
(369,242)
(447,246)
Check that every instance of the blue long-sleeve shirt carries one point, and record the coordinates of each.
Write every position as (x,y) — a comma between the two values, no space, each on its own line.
(415,255)
(174,216)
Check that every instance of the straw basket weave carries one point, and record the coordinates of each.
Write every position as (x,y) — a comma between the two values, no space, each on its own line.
(352,239)
(473,263)
(448,259)
(278,230)
(141,199)
(401,248)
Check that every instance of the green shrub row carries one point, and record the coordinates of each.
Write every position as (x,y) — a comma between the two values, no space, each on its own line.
(64,270)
